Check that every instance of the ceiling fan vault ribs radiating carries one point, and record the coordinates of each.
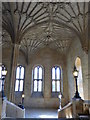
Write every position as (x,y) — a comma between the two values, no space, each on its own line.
(38,24)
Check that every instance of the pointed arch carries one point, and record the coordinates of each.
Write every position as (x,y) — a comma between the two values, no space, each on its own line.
(20,76)
(2,66)
(80,79)
(38,79)
(56,76)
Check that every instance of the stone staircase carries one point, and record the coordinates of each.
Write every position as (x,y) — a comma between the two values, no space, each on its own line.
(21,115)
(87,118)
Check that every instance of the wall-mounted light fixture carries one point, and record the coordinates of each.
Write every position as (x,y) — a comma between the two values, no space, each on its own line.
(4,73)
(75,74)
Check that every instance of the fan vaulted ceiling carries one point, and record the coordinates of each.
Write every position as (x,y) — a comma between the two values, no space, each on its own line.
(35,25)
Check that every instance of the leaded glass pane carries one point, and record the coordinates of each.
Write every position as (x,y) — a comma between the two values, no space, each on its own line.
(22,73)
(58,86)
(39,85)
(40,73)
(18,73)
(17,85)
(35,73)
(53,86)
(0,72)
(21,85)
(53,73)
(58,73)
(35,86)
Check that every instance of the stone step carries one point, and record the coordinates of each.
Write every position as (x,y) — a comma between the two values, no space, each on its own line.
(46,119)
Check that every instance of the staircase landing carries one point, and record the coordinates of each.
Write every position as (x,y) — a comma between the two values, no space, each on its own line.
(41,113)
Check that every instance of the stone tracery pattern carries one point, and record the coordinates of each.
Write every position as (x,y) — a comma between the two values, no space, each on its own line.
(44,23)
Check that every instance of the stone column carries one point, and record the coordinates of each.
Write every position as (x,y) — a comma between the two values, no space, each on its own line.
(77,107)
(27,84)
(89,52)
(47,82)
(86,68)
(14,58)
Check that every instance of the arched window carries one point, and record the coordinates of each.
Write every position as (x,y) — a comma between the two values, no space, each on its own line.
(0,78)
(79,79)
(20,74)
(1,75)
(37,79)
(56,77)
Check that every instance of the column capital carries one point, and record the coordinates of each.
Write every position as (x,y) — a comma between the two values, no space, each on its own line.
(16,45)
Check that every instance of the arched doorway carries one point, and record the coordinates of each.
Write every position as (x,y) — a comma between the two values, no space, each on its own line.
(80,79)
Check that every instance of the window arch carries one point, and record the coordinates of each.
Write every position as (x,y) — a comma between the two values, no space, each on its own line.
(79,79)
(56,77)
(38,79)
(20,75)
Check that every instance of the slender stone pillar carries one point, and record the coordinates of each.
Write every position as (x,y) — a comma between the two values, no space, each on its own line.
(89,53)
(47,82)
(14,58)
(27,82)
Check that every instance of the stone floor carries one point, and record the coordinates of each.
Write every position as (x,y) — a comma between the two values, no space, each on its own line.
(41,113)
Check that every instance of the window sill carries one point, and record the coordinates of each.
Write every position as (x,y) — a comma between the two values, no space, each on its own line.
(37,95)
(18,93)
(54,94)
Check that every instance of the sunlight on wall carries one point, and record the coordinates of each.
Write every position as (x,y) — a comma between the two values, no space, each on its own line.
(80,79)
(47,116)
(69,115)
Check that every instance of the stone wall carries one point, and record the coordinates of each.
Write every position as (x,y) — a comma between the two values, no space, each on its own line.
(47,58)
(11,110)
(6,60)
(74,52)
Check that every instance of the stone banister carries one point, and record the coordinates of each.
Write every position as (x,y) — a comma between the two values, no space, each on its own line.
(66,111)
(72,109)
(11,110)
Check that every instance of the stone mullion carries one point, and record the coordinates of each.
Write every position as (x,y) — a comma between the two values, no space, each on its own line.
(60,86)
(15,54)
